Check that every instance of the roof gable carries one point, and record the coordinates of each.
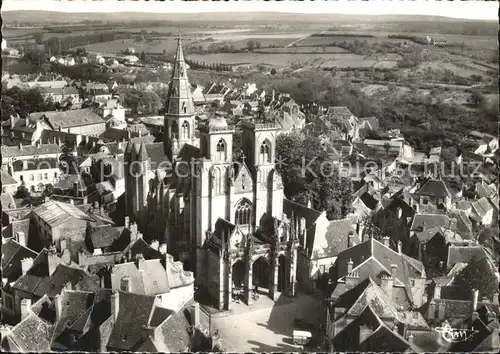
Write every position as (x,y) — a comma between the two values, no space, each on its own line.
(134,313)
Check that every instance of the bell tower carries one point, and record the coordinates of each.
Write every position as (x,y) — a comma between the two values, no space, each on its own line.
(179,109)
(259,147)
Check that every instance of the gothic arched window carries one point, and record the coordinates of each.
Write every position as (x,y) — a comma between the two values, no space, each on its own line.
(184,109)
(243,213)
(265,152)
(185,130)
(221,151)
(175,129)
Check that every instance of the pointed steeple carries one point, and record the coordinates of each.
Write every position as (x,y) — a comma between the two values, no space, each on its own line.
(180,101)
(129,148)
(143,154)
(179,55)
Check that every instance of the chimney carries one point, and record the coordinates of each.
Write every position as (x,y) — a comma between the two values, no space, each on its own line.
(431,314)
(364,333)
(72,202)
(195,314)
(495,298)
(385,241)
(139,261)
(441,310)
(20,146)
(127,222)
(58,305)
(437,292)
(133,232)
(25,308)
(126,284)
(394,267)
(400,213)
(26,121)
(115,305)
(350,239)
(386,283)
(63,243)
(21,238)
(349,266)
(400,247)
(163,248)
(441,265)
(155,245)
(26,264)
(53,260)
(361,229)
(475,297)
(351,280)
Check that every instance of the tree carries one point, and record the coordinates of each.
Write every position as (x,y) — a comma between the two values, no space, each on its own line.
(142,57)
(257,44)
(309,175)
(81,52)
(48,190)
(480,275)
(67,161)
(371,230)
(35,57)
(143,102)
(22,192)
(273,71)
(251,45)
(476,98)
(38,37)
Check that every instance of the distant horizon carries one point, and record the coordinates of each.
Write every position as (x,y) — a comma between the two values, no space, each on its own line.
(468,10)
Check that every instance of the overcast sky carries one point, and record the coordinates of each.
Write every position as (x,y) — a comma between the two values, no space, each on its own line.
(458,9)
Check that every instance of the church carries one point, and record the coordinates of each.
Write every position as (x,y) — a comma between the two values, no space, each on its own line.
(223,218)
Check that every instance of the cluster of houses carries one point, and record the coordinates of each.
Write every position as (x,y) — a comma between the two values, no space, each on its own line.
(74,278)
(95,58)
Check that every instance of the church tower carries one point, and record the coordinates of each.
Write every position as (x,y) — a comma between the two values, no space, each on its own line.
(259,147)
(179,109)
(213,187)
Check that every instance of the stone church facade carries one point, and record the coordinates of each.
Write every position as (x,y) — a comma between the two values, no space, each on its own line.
(223,218)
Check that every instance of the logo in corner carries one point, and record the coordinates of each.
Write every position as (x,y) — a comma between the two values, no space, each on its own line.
(454,335)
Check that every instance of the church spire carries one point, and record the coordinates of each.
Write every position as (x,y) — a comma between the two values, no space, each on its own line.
(180,101)
(179,55)
(179,108)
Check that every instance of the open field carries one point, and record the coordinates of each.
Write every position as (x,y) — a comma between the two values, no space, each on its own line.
(154,46)
(264,42)
(357,61)
(292,50)
(282,60)
(456,69)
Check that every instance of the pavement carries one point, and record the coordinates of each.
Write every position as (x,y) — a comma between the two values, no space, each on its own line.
(265,326)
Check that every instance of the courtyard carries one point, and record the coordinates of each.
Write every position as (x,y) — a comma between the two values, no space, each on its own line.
(265,326)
